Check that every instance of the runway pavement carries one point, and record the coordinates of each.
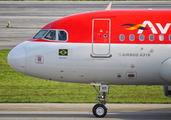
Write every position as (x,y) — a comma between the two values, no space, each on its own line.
(67,111)
(28,17)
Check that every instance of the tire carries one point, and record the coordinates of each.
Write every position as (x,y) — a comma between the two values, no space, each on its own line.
(99,110)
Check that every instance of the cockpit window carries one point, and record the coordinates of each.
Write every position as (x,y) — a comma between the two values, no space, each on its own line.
(62,35)
(51,35)
(56,35)
(40,34)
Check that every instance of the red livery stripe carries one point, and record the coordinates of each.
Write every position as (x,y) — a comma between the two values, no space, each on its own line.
(154,26)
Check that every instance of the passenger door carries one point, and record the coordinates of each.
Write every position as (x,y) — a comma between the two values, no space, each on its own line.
(101,37)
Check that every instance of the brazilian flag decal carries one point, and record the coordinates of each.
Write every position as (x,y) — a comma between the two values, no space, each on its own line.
(63,52)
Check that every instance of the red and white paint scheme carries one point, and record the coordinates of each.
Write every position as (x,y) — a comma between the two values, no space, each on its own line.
(111,47)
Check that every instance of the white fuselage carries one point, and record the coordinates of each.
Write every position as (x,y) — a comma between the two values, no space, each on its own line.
(129,64)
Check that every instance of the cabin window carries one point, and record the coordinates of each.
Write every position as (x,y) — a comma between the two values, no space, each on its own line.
(170,37)
(161,37)
(122,37)
(131,37)
(51,35)
(40,34)
(62,35)
(151,37)
(141,37)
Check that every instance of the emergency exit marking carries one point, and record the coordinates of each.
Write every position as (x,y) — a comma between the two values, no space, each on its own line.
(39,59)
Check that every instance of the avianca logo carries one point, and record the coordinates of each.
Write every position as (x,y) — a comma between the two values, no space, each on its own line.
(134,26)
(143,26)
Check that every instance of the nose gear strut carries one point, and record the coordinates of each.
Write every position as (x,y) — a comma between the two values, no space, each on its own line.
(99,110)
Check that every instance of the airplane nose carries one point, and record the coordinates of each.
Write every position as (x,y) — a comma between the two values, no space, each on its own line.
(16,58)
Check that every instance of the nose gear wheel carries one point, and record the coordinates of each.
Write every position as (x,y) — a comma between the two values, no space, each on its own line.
(99,110)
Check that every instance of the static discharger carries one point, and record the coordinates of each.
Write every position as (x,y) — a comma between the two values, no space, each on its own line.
(8,26)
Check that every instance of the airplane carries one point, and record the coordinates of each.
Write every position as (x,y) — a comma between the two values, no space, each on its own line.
(109,47)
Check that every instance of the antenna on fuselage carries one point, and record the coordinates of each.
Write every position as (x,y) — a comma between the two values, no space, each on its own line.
(109,6)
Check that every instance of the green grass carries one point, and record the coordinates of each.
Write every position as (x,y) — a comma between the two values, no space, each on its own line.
(16,87)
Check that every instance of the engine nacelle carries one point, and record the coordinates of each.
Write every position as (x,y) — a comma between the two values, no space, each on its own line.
(165,70)
(167,90)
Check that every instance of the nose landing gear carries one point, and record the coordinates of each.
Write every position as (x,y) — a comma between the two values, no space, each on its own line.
(99,110)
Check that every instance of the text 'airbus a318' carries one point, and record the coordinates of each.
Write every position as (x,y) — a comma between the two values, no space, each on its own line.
(110,47)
